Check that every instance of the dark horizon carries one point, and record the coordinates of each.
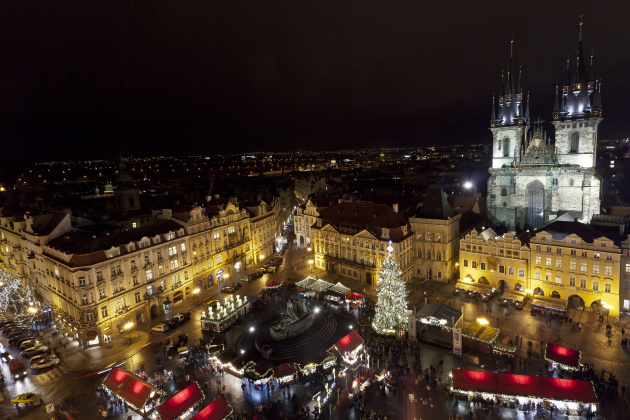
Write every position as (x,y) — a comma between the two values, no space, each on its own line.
(84,81)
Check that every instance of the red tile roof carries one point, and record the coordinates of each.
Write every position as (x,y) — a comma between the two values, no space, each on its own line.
(349,342)
(524,386)
(179,403)
(129,387)
(216,410)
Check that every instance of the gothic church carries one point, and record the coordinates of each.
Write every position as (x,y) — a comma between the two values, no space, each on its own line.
(533,179)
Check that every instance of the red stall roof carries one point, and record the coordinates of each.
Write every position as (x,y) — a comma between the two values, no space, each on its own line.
(524,386)
(354,296)
(177,405)
(272,283)
(349,342)
(129,387)
(216,410)
(563,355)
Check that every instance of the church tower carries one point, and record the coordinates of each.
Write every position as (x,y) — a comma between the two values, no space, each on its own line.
(577,114)
(510,122)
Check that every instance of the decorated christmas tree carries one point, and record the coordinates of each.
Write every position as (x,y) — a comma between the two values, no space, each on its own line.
(16,299)
(391,305)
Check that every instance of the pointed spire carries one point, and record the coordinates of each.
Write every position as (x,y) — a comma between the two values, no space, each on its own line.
(519,109)
(597,100)
(580,69)
(520,74)
(581,23)
(568,83)
(555,104)
(527,108)
(493,116)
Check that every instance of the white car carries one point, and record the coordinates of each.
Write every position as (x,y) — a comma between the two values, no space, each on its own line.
(33,351)
(160,328)
(28,343)
(37,358)
(44,363)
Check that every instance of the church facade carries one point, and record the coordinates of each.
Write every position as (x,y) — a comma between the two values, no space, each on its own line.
(533,178)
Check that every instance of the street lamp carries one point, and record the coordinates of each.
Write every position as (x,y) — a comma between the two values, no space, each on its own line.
(311,263)
(196,293)
(309,249)
(128,326)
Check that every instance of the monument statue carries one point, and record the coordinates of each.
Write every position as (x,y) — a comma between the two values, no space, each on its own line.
(294,321)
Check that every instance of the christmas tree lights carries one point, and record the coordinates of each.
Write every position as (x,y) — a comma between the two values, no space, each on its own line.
(391,306)
(17,300)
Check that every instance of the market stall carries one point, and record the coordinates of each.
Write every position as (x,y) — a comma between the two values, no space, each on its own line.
(563,357)
(181,405)
(573,397)
(221,315)
(337,294)
(349,348)
(480,337)
(285,373)
(482,291)
(514,297)
(434,324)
(355,298)
(134,391)
(548,305)
(272,285)
(257,372)
(219,409)
(326,361)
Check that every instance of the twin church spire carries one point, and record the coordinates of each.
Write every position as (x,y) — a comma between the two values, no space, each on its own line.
(580,96)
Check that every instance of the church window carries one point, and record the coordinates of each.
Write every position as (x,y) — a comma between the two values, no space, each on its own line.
(438,256)
(504,192)
(574,143)
(506,147)
(419,253)
(438,237)
(504,204)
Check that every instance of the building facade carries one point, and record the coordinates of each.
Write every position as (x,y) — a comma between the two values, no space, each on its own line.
(499,261)
(533,179)
(351,240)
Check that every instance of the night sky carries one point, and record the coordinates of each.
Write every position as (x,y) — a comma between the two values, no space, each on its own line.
(88,80)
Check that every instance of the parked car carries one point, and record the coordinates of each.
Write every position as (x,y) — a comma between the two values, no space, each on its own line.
(237,286)
(171,322)
(18,332)
(28,343)
(271,269)
(177,339)
(45,363)
(228,289)
(37,358)
(24,336)
(186,314)
(160,328)
(5,355)
(28,398)
(34,351)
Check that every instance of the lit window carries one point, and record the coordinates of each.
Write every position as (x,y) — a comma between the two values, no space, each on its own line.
(607,287)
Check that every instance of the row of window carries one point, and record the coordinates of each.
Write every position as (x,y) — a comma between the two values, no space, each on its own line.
(502,268)
(608,269)
(572,282)
(574,252)
(427,237)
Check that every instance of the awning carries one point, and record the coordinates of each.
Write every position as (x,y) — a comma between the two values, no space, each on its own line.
(179,403)
(272,283)
(567,357)
(91,335)
(514,295)
(474,287)
(320,286)
(349,343)
(340,289)
(551,303)
(285,369)
(355,296)
(129,387)
(524,386)
(306,282)
(218,409)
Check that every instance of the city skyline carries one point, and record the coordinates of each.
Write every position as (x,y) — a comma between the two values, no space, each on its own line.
(88,83)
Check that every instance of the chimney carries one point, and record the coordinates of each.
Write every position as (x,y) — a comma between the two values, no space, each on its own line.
(395,206)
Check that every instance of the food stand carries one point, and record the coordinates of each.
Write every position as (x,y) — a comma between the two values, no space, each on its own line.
(181,405)
(563,357)
(285,373)
(272,285)
(337,294)
(220,316)
(514,297)
(355,298)
(134,391)
(349,348)
(435,324)
(219,409)
(573,397)
(483,291)
(553,306)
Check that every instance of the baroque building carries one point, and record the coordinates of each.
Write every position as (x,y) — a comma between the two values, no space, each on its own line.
(534,179)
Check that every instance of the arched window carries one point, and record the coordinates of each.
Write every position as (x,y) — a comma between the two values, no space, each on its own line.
(428,255)
(506,147)
(573,147)
(438,237)
(429,236)
(419,253)
(503,192)
(438,256)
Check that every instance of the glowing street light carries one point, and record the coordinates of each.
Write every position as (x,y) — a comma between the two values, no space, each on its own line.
(309,249)
(196,293)
(128,326)
(311,263)
(482,321)
(468,185)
